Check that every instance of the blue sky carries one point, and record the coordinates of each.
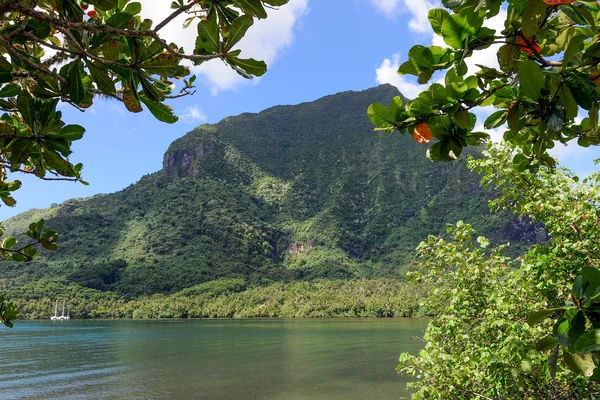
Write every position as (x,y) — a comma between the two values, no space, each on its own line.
(313,48)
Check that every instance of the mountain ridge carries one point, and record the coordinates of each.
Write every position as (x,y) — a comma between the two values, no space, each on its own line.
(295,192)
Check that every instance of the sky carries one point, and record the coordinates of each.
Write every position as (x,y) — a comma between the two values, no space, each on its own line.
(313,48)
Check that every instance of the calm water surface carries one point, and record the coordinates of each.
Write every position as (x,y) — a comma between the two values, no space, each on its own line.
(206,359)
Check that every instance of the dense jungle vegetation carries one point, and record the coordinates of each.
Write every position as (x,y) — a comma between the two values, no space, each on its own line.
(292,194)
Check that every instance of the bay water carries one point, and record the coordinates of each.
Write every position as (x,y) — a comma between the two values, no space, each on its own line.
(348,359)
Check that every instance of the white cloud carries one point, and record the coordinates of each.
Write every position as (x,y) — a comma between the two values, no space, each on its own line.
(418,10)
(193,115)
(266,40)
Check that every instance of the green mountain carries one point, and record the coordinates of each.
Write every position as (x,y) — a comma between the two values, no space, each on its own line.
(291,193)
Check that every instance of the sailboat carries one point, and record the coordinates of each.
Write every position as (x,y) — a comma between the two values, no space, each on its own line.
(62,317)
(55,316)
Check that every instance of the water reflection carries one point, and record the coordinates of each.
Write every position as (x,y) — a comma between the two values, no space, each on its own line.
(206,359)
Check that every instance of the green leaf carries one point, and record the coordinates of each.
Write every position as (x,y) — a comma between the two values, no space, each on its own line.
(76,88)
(533,16)
(72,10)
(19,151)
(589,342)
(101,78)
(9,242)
(495,120)
(582,364)
(119,20)
(581,89)
(56,162)
(112,50)
(577,327)
(545,344)
(71,132)
(531,79)
(208,37)
(538,316)
(165,65)
(103,4)
(380,116)
(452,32)
(516,120)
(252,7)
(131,99)
(161,111)
(462,118)
(11,90)
(569,103)
(26,105)
(133,8)
(238,29)
(248,67)
(149,89)
(436,18)
(575,46)
(508,57)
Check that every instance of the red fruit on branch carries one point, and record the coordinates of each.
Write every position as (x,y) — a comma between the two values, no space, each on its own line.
(422,133)
(529,46)
(92,14)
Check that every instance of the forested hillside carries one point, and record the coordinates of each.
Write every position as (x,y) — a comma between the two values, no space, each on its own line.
(292,193)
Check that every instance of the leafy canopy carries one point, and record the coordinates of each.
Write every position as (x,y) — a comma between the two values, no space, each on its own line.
(548,72)
(73,51)
(526,327)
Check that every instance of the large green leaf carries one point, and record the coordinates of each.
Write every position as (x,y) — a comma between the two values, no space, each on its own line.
(533,16)
(538,316)
(131,99)
(104,4)
(436,18)
(252,7)
(588,342)
(582,364)
(380,116)
(531,79)
(238,29)
(19,150)
(161,111)
(76,88)
(248,67)
(581,89)
(56,162)
(101,78)
(452,32)
(26,106)
(508,57)
(10,90)
(165,65)
(71,132)
(208,37)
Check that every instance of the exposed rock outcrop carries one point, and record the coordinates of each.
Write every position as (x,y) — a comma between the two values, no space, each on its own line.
(524,230)
(182,163)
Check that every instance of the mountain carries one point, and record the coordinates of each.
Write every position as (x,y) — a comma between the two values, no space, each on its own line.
(291,193)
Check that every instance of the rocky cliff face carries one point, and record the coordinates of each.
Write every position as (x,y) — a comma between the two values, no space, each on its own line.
(182,163)
(524,230)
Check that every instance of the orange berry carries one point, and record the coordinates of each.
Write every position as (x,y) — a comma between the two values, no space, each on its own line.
(92,14)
